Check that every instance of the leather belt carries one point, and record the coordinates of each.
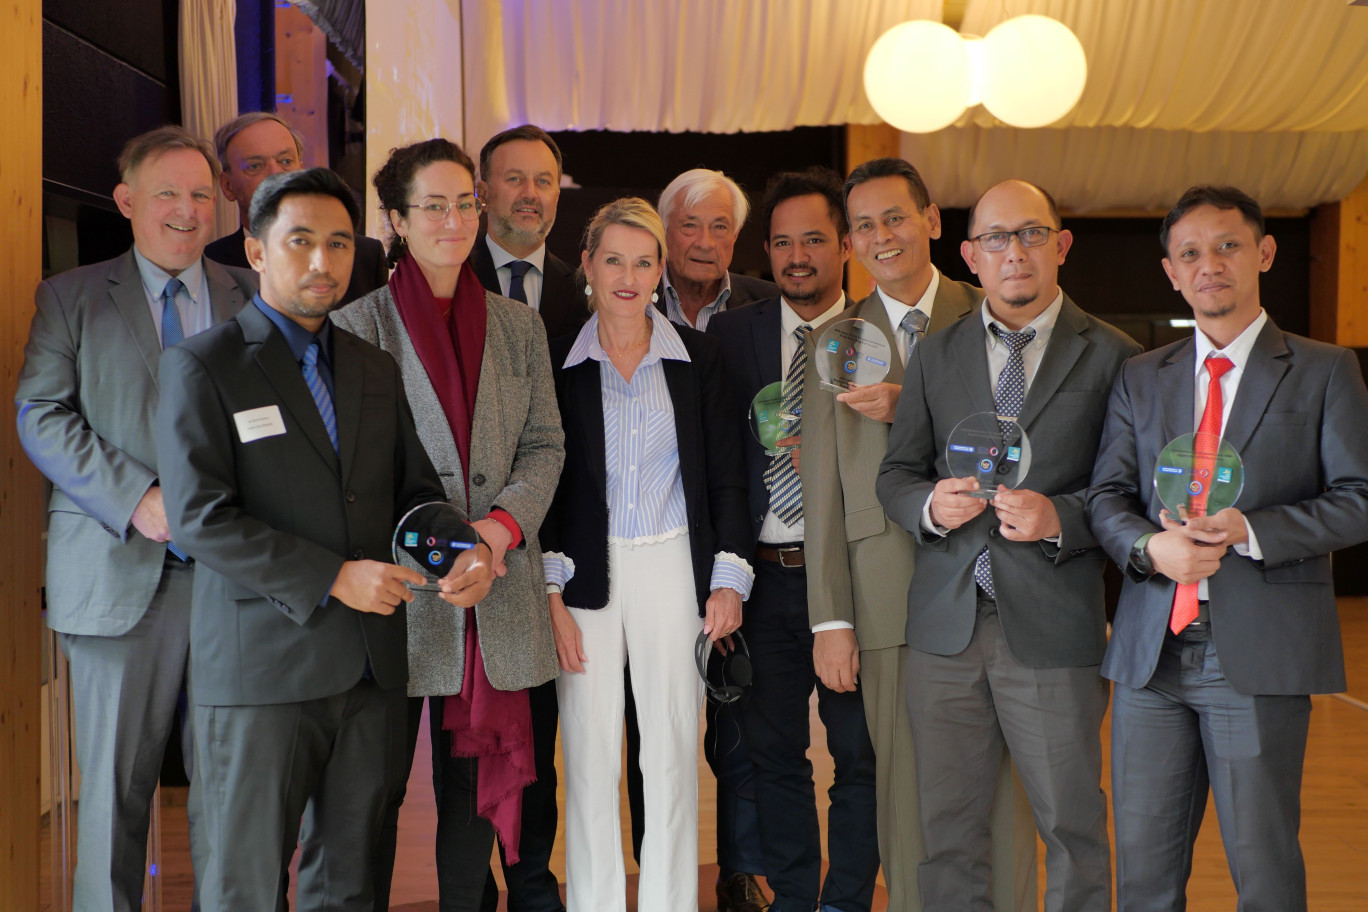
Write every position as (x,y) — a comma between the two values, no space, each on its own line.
(787,556)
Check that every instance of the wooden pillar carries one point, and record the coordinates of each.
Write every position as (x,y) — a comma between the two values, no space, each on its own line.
(302,81)
(866,143)
(1339,270)
(21,182)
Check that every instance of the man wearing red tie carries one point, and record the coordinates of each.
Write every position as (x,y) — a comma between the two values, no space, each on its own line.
(1228,622)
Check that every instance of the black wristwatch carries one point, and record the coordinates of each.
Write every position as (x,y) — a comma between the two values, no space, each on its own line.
(1139,556)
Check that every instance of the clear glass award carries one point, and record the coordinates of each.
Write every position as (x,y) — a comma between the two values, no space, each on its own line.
(1194,481)
(434,540)
(990,447)
(770,422)
(852,353)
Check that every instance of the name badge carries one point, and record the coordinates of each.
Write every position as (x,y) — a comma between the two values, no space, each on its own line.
(254,424)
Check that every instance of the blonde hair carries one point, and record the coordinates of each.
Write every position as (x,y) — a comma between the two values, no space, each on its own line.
(153,143)
(631,212)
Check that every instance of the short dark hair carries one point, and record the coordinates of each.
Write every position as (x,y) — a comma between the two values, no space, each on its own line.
(154,143)
(313,182)
(1220,197)
(1049,201)
(818,180)
(394,181)
(529,132)
(890,167)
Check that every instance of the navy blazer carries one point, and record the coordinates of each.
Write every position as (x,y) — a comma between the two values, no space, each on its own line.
(709,462)
(563,308)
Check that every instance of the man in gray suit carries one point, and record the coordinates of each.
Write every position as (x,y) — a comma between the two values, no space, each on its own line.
(118,592)
(1228,623)
(289,454)
(1005,612)
(859,565)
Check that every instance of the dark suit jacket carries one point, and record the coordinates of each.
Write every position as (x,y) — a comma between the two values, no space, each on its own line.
(744,290)
(709,462)
(270,522)
(369,271)
(1049,597)
(563,309)
(1300,424)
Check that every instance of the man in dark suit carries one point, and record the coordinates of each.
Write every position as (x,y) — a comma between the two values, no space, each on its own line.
(300,656)
(1228,623)
(808,244)
(859,565)
(118,591)
(1006,624)
(520,172)
(703,212)
(253,146)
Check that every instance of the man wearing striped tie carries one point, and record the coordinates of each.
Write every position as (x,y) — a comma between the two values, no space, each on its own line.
(808,243)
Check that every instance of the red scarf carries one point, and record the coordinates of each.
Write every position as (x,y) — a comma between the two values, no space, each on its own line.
(492,725)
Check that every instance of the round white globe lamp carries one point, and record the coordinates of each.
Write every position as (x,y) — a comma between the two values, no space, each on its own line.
(1033,71)
(917,76)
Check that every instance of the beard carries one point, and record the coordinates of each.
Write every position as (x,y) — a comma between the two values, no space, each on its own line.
(504,226)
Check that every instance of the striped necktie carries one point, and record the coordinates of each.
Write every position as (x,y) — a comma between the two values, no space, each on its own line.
(319,390)
(781,479)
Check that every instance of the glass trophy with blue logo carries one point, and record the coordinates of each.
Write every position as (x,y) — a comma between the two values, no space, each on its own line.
(436,541)
(1195,477)
(770,420)
(990,447)
(852,353)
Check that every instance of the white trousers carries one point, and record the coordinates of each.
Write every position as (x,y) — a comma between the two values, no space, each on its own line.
(651,617)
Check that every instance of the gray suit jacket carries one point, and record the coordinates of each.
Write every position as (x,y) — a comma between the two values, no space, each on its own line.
(516,452)
(859,565)
(1300,424)
(86,398)
(1049,597)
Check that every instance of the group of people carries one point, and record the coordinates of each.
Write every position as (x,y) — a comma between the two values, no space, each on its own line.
(233,430)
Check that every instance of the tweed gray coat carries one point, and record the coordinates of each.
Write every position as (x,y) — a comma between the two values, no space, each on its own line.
(516,452)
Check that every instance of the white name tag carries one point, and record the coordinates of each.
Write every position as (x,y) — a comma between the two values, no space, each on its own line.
(257,423)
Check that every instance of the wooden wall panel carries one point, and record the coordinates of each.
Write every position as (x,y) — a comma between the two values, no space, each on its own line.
(302,77)
(866,143)
(1339,270)
(21,172)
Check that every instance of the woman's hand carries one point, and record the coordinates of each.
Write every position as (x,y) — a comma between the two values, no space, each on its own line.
(470,578)
(569,644)
(722,613)
(494,534)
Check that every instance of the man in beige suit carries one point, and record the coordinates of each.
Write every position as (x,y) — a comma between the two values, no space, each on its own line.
(858,563)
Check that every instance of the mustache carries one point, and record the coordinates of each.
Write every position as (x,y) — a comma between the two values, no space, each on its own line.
(316,278)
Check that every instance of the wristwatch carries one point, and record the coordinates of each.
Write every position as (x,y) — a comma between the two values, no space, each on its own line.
(1139,556)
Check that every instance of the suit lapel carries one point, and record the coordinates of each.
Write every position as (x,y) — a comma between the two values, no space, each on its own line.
(483,425)
(686,415)
(588,400)
(872,309)
(1264,371)
(1065,347)
(765,330)
(225,297)
(949,305)
(1175,381)
(272,355)
(349,384)
(130,299)
(968,350)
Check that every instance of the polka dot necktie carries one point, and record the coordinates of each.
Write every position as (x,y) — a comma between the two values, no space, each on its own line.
(1008,397)
(781,478)
(519,269)
(914,324)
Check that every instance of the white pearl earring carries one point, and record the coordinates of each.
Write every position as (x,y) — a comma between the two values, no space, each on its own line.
(588,291)
(654,297)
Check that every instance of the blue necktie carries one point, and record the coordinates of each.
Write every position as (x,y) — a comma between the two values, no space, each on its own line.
(319,390)
(785,488)
(171,334)
(516,291)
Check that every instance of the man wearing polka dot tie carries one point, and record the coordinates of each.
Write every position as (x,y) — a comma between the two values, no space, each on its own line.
(1228,623)
(1006,625)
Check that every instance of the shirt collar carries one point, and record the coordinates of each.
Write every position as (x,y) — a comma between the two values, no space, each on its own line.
(790,320)
(154,278)
(502,257)
(675,310)
(1043,324)
(665,342)
(897,309)
(297,337)
(1238,350)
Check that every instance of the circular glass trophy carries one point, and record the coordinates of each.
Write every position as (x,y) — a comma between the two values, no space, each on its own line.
(431,539)
(1190,482)
(990,447)
(852,353)
(770,422)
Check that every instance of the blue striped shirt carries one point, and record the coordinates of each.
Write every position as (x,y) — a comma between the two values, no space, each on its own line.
(645,487)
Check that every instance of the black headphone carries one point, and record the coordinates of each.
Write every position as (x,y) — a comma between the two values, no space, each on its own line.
(727,677)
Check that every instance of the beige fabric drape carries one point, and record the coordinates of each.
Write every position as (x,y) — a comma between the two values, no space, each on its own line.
(208,80)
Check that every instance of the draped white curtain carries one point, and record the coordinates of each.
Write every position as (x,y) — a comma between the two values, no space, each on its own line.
(208,80)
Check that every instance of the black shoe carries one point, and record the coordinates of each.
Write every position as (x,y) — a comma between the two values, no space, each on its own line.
(740,893)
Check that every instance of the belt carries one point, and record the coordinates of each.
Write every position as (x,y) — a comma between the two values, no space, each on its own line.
(786,556)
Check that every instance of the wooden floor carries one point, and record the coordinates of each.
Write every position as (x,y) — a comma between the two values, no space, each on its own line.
(1334,833)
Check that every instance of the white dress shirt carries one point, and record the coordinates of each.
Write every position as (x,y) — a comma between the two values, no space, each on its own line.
(192,301)
(897,310)
(532,282)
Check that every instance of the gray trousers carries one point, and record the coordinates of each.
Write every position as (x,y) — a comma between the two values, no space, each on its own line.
(125,692)
(963,708)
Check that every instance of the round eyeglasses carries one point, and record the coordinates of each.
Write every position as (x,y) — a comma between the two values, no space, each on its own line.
(436,210)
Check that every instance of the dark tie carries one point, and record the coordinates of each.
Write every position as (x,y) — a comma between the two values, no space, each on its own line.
(1204,458)
(171,330)
(785,488)
(914,324)
(1008,397)
(319,390)
(519,269)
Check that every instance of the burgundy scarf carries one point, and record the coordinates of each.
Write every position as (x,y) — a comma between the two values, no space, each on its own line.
(492,725)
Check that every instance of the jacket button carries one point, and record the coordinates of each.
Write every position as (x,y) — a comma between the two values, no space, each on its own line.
(358,554)
(477,479)
(993,532)
(351,497)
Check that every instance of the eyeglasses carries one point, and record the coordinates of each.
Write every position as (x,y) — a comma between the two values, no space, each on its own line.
(467,207)
(997,241)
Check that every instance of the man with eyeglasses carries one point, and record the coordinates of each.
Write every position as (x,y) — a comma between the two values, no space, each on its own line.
(1006,625)
(253,146)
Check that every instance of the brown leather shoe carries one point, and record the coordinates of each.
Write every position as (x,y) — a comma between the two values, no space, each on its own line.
(740,893)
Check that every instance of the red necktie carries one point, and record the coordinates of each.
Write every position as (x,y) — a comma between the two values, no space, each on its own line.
(1207,441)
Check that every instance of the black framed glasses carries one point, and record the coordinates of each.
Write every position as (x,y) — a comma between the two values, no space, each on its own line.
(436,210)
(997,241)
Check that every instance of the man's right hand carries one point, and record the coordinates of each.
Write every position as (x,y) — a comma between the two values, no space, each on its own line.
(149,516)
(374,586)
(836,658)
(1179,553)
(949,508)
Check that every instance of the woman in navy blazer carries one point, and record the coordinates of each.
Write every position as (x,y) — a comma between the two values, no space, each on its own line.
(646,535)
